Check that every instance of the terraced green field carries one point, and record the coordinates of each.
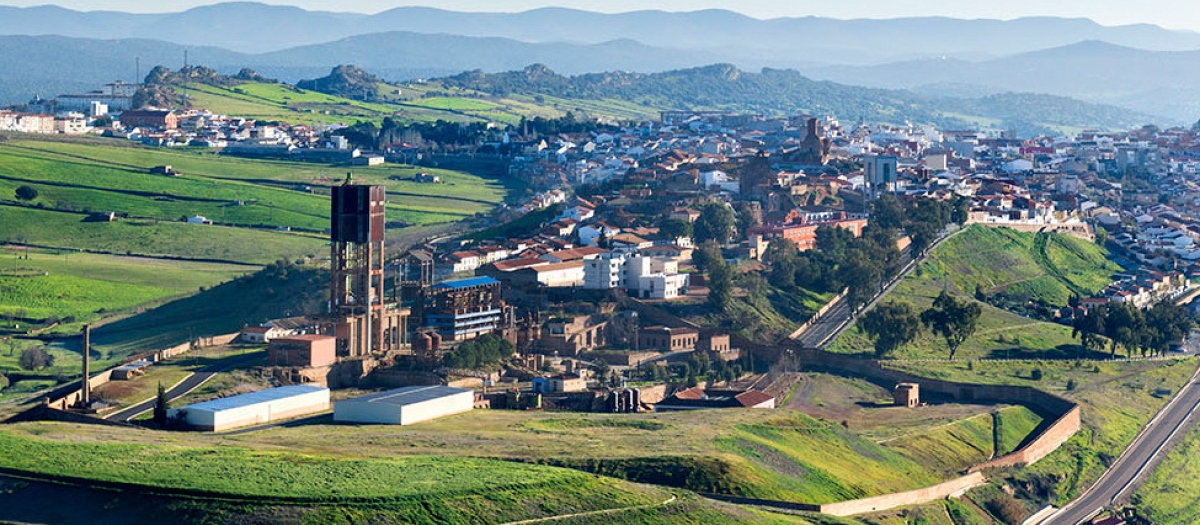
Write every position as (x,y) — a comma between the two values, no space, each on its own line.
(417,102)
(149,237)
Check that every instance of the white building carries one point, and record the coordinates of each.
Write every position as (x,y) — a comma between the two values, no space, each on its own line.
(649,278)
(604,272)
(721,180)
(643,277)
(261,334)
(560,275)
(405,406)
(254,408)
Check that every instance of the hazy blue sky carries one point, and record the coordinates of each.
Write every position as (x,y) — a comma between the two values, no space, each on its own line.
(1179,14)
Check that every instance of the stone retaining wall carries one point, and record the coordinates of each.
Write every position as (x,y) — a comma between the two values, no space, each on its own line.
(948,489)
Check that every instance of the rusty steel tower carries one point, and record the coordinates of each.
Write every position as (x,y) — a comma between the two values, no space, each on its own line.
(356,291)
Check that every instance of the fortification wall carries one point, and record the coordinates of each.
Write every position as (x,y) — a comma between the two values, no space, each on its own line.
(901,499)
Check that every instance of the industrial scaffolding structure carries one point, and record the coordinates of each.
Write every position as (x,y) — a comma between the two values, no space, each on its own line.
(364,322)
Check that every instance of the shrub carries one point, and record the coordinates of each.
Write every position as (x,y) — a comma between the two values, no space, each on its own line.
(1070,385)
(27,193)
(1007,508)
(1036,374)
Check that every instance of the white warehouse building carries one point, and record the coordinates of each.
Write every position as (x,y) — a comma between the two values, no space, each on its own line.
(254,408)
(405,406)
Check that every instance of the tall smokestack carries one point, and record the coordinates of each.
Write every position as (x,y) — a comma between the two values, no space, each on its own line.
(87,354)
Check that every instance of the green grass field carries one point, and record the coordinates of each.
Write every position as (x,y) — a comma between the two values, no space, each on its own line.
(239,192)
(82,285)
(1047,267)
(999,259)
(271,294)
(469,490)
(425,102)
(1171,495)
(154,238)
(1000,333)
(947,448)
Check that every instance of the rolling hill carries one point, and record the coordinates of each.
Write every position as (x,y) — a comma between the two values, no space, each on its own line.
(775,91)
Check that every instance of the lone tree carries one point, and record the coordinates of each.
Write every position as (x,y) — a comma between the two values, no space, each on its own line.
(27,193)
(891,326)
(720,284)
(716,222)
(35,359)
(161,405)
(953,319)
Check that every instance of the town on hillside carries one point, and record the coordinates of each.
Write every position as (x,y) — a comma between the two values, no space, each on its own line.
(701,260)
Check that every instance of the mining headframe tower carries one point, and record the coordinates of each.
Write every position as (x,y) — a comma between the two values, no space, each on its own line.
(365,323)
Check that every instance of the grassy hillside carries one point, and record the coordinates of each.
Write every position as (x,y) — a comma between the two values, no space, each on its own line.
(277,291)
(947,448)
(1045,267)
(1171,495)
(1033,266)
(34,502)
(90,176)
(435,489)
(1117,400)
(150,237)
(781,455)
(415,102)
(82,285)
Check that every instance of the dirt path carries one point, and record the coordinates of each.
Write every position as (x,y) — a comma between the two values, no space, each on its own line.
(593,513)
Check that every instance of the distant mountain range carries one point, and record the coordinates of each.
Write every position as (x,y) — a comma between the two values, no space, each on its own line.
(50,65)
(1144,68)
(244,27)
(1154,82)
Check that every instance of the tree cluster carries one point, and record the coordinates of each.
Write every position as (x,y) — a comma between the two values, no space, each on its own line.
(1150,331)
(894,325)
(840,261)
(484,351)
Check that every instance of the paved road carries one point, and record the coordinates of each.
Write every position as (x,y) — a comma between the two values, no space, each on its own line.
(1119,481)
(187,385)
(183,388)
(838,318)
